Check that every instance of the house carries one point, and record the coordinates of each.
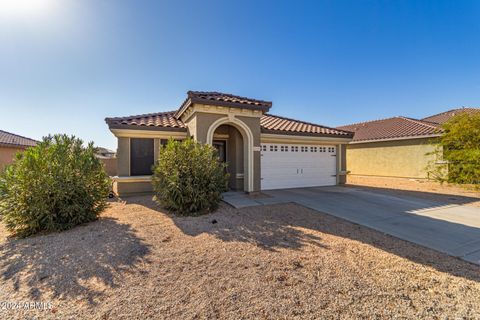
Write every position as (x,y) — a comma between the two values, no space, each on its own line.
(104,152)
(263,151)
(10,144)
(396,147)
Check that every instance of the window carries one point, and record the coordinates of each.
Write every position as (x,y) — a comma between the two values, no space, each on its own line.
(141,156)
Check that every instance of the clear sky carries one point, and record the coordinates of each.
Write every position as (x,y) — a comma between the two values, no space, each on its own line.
(65,65)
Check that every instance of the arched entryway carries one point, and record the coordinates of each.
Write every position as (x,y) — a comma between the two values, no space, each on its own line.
(237,140)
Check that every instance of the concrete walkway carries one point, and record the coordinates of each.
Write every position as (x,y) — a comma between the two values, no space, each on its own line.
(437,224)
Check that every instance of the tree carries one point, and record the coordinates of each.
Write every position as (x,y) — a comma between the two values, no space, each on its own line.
(459,147)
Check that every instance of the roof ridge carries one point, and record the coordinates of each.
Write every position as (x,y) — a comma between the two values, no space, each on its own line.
(139,115)
(190,92)
(364,122)
(427,123)
(306,122)
(17,135)
(449,111)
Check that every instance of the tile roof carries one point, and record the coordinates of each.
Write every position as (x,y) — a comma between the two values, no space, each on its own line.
(276,124)
(391,128)
(268,123)
(14,140)
(160,120)
(223,99)
(445,116)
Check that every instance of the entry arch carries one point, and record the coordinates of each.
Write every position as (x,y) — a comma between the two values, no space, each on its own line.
(247,136)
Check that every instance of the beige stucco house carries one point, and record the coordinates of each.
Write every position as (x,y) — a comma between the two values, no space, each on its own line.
(397,147)
(263,151)
(10,145)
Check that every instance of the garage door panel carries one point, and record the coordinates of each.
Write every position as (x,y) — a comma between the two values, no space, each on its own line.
(293,166)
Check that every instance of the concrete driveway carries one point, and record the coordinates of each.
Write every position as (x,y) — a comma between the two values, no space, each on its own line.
(444,223)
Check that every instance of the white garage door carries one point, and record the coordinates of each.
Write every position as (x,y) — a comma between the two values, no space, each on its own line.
(295,166)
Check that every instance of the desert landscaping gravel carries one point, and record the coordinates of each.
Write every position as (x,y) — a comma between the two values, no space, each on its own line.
(271,262)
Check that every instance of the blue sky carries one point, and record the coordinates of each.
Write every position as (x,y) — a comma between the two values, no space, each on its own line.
(66,66)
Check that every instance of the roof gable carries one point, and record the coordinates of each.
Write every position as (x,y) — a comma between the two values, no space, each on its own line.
(222,99)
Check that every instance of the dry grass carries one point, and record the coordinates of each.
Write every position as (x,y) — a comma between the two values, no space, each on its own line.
(273,262)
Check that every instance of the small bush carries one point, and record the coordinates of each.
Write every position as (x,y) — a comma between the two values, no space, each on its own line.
(188,178)
(51,187)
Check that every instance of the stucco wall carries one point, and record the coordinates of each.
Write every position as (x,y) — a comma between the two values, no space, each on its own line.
(123,157)
(7,155)
(401,158)
(205,120)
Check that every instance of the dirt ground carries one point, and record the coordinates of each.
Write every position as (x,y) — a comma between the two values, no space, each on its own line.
(428,188)
(271,262)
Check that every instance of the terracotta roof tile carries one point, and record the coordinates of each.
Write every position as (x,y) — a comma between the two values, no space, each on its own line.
(226,97)
(445,116)
(391,128)
(276,124)
(268,123)
(164,120)
(14,140)
(222,99)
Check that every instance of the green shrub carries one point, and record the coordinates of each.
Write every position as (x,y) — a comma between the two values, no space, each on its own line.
(188,178)
(51,187)
(459,148)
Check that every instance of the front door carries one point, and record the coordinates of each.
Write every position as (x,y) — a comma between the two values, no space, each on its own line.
(221,149)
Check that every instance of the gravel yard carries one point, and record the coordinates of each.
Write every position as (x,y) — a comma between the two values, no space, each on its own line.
(272,262)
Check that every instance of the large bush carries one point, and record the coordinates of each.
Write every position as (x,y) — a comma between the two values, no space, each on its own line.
(459,148)
(54,186)
(188,178)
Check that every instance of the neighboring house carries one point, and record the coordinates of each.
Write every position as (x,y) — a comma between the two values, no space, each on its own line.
(104,152)
(263,151)
(109,160)
(395,147)
(10,144)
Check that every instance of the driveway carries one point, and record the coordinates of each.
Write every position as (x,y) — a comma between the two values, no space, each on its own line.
(444,223)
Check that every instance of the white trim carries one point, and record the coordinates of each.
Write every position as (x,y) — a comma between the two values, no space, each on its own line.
(285,138)
(399,138)
(133,179)
(160,134)
(231,120)
(206,108)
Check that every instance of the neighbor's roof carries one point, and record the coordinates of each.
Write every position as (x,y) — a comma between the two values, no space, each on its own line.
(268,123)
(445,116)
(391,128)
(222,99)
(9,139)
